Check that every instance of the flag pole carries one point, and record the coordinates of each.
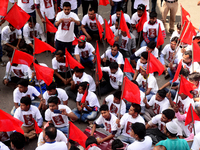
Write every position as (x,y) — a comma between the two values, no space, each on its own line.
(192,57)
(192,119)
(119,22)
(104,44)
(139,39)
(176,98)
(68,135)
(147,72)
(122,89)
(45,30)
(33,38)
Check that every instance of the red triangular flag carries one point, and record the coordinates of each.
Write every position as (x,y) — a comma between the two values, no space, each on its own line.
(75,42)
(110,23)
(143,19)
(154,65)
(160,38)
(3,7)
(50,27)
(184,15)
(9,123)
(123,26)
(22,58)
(100,28)
(128,67)
(76,134)
(84,95)
(44,73)
(177,71)
(196,52)
(71,61)
(38,130)
(98,59)
(41,46)
(131,91)
(103,2)
(109,34)
(17,17)
(186,87)
(188,118)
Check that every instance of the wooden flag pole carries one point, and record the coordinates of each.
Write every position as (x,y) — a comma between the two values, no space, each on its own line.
(147,72)
(176,98)
(122,89)
(45,30)
(33,38)
(192,119)
(104,44)
(119,22)
(68,67)
(139,39)
(192,57)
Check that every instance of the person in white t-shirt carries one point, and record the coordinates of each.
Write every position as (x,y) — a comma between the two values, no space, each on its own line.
(89,24)
(58,114)
(65,21)
(17,141)
(127,119)
(28,6)
(114,28)
(84,52)
(73,5)
(91,143)
(28,114)
(138,132)
(196,142)
(49,136)
(113,102)
(109,122)
(3,146)
(87,109)
(177,32)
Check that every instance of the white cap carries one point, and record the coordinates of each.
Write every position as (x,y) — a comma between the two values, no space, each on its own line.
(172,127)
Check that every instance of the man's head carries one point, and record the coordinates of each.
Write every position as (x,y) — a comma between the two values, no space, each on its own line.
(117,145)
(17,141)
(144,57)
(194,77)
(187,57)
(138,131)
(78,72)
(115,49)
(25,103)
(118,12)
(91,13)
(30,23)
(167,115)
(53,103)
(105,111)
(152,17)
(134,110)
(184,73)
(143,70)
(160,95)
(151,46)
(12,28)
(82,87)
(90,140)
(140,10)
(49,134)
(117,23)
(113,67)
(171,129)
(66,8)
(60,56)
(173,42)
(51,89)
(117,97)
(23,85)
(81,41)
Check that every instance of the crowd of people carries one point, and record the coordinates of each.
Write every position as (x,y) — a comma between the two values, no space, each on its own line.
(158,122)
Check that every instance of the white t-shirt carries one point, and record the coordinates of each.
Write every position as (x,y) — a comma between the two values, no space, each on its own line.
(168,52)
(53,146)
(72,2)
(126,122)
(92,23)
(84,52)
(113,28)
(114,107)
(175,34)
(59,120)
(118,58)
(86,77)
(47,7)
(158,106)
(124,44)
(152,30)
(141,145)
(27,116)
(17,95)
(135,18)
(114,18)
(196,142)
(60,66)
(115,79)
(65,31)
(151,82)
(184,104)
(59,138)
(145,2)
(26,5)
(190,68)
(139,64)
(3,146)
(60,93)
(157,120)
(143,49)
(109,125)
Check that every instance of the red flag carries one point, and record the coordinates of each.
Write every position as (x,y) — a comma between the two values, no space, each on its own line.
(71,61)
(128,67)
(109,34)
(41,46)
(98,59)
(49,26)
(37,128)
(22,58)
(3,7)
(103,2)
(75,42)
(85,95)
(76,134)
(143,19)
(17,17)
(100,28)
(188,118)
(196,52)
(154,65)
(177,71)
(131,91)
(110,23)
(160,38)
(44,73)
(123,26)
(186,87)
(184,15)
(9,123)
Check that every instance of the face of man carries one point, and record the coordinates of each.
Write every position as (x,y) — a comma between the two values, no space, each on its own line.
(91,15)
(53,106)
(24,107)
(22,88)
(132,112)
(80,90)
(81,44)
(30,25)
(142,60)
(186,59)
(105,114)
(124,34)
(152,20)
(118,14)
(67,10)
(78,74)
(173,45)
(140,13)
(116,25)
(158,97)
(51,92)
(116,100)
(164,118)
(149,49)
(12,28)
(143,72)
(59,58)
(113,71)
(132,134)
(114,50)
(179,31)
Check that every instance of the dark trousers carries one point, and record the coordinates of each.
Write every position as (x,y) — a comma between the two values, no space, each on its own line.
(14,43)
(64,75)
(156,135)
(85,5)
(154,2)
(62,45)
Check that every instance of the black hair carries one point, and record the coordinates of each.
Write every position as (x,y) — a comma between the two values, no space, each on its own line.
(18,140)
(152,14)
(194,76)
(53,99)
(144,55)
(74,148)
(10,25)
(77,69)
(119,9)
(25,100)
(66,4)
(117,144)
(117,20)
(162,93)
(169,113)
(104,107)
(178,25)
(184,72)
(118,94)
(91,9)
(113,65)
(90,140)
(137,107)
(189,53)
(60,52)
(128,25)
(151,44)
(84,85)
(51,132)
(30,19)
(175,39)
(139,129)
(23,82)
(171,134)
(51,86)
(116,45)
(141,7)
